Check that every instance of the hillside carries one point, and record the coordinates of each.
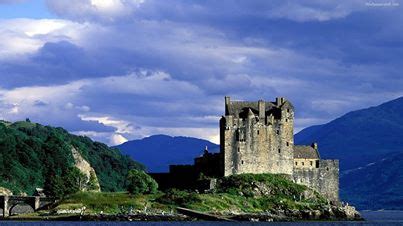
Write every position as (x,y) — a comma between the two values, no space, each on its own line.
(159,151)
(32,155)
(378,185)
(359,137)
(369,144)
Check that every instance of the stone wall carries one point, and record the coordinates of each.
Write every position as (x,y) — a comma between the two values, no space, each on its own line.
(324,179)
(258,139)
(306,163)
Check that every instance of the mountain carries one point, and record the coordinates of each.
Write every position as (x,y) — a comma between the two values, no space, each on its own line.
(359,137)
(35,156)
(369,145)
(159,151)
(378,185)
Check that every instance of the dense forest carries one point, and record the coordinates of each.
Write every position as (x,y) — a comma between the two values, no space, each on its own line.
(35,156)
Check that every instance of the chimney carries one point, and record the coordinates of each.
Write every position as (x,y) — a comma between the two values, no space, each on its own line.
(262,109)
(279,101)
(314,145)
(227,102)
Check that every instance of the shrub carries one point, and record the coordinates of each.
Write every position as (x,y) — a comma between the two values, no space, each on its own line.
(178,197)
(138,182)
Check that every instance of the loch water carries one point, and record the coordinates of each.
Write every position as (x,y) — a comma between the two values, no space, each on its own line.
(372,218)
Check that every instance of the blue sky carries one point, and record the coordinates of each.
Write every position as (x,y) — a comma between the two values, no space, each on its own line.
(117,70)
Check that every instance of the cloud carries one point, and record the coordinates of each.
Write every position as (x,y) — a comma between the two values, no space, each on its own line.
(103,10)
(149,67)
(303,11)
(184,10)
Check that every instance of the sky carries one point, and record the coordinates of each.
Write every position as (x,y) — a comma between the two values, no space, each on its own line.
(117,70)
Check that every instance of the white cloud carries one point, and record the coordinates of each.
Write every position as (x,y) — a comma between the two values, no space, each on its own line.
(22,37)
(90,10)
(120,125)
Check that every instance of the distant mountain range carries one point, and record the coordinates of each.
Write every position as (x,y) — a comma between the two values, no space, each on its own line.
(369,145)
(159,151)
(359,137)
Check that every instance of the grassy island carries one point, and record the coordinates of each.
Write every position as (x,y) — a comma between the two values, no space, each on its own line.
(273,197)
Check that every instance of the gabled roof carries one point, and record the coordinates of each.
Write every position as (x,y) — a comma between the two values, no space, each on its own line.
(305,152)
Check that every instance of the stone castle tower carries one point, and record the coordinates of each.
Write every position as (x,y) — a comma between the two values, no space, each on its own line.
(257,137)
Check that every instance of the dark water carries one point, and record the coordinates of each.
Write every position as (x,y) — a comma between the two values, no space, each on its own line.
(372,218)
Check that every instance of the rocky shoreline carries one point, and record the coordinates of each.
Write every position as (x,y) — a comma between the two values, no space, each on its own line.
(329,213)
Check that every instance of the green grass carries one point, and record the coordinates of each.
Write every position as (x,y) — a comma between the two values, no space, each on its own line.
(234,194)
(108,202)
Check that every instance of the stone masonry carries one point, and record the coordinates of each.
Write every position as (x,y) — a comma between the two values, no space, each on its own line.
(258,137)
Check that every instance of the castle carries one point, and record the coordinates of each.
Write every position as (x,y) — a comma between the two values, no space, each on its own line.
(258,137)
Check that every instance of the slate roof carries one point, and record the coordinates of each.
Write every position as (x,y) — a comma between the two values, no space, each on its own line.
(305,152)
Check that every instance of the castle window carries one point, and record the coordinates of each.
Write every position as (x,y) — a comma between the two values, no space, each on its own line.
(238,149)
(288,110)
(258,132)
(311,163)
(278,132)
(279,150)
(288,144)
(317,164)
(242,162)
(296,163)
(327,168)
(286,120)
(303,163)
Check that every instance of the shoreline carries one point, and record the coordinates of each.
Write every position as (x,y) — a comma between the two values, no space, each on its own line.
(280,216)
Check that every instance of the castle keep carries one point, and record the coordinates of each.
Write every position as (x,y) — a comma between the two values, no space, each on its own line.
(258,137)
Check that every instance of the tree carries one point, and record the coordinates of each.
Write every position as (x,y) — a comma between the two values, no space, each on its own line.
(93,184)
(138,182)
(74,181)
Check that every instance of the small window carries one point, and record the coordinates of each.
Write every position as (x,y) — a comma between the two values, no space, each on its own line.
(257,132)
(296,163)
(286,120)
(288,110)
(327,168)
(288,144)
(311,163)
(239,149)
(278,132)
(279,150)
(302,163)
(242,162)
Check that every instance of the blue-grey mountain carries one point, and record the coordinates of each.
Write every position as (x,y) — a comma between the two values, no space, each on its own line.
(369,144)
(159,151)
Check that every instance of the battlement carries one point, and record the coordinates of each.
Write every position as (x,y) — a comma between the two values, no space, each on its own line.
(260,108)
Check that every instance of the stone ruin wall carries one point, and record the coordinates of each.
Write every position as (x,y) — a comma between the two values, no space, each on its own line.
(324,179)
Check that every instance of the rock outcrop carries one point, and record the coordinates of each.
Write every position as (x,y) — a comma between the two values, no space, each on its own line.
(5,191)
(85,168)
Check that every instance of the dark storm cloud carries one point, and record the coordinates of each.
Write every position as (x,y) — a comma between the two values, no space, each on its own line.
(144,67)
